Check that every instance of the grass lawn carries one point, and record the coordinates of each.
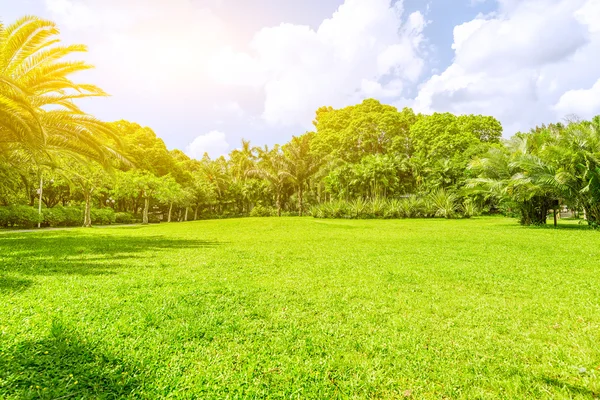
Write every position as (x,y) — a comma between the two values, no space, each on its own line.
(301,308)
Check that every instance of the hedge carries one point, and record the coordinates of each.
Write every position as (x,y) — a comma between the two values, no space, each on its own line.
(59,216)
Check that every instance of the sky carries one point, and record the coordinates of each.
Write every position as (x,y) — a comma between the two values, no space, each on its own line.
(203,74)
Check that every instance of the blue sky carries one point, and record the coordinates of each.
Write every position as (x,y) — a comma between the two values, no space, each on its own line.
(205,73)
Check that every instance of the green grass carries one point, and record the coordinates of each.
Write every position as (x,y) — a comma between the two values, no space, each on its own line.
(301,308)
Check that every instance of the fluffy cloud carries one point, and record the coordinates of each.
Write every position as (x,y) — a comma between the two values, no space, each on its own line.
(583,102)
(521,63)
(365,49)
(145,45)
(214,143)
(531,61)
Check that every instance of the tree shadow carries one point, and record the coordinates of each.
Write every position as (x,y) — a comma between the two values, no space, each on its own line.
(74,252)
(10,284)
(62,366)
(566,226)
(572,389)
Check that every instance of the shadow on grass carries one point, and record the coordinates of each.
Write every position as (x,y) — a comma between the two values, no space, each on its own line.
(69,252)
(566,226)
(10,284)
(572,389)
(64,366)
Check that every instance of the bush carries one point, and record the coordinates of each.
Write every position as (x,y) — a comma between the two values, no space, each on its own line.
(377,208)
(469,209)
(74,216)
(439,204)
(444,203)
(261,211)
(357,208)
(103,216)
(19,216)
(124,218)
(54,216)
(4,216)
(153,219)
(62,216)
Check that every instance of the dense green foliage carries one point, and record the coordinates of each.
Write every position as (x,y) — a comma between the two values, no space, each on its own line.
(309,170)
(369,153)
(298,307)
(538,171)
(440,203)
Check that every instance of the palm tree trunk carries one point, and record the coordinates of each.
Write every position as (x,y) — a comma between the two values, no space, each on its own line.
(87,214)
(146,207)
(40,203)
(300,199)
(278,203)
(170,210)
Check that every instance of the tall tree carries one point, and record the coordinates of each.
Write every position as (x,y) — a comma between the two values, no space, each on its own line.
(302,164)
(273,168)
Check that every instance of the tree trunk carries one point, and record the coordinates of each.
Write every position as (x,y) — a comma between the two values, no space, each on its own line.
(278,203)
(186,214)
(146,207)
(170,209)
(196,213)
(40,203)
(87,215)
(300,200)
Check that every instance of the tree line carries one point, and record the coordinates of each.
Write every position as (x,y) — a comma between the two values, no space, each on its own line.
(361,161)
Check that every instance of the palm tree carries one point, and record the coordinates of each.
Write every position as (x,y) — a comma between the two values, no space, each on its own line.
(37,110)
(301,163)
(574,152)
(272,167)
(242,160)
(514,176)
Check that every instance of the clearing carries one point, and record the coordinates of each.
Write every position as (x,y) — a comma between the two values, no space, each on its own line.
(301,308)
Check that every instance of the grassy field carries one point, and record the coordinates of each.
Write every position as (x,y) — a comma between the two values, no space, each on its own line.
(301,308)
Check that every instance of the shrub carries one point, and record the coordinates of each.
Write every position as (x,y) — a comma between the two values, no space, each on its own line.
(469,209)
(103,216)
(153,219)
(19,216)
(427,207)
(317,211)
(377,208)
(124,218)
(261,211)
(357,208)
(55,216)
(394,209)
(62,216)
(439,204)
(444,203)
(74,216)
(4,216)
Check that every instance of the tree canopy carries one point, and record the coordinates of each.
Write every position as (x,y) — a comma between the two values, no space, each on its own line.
(365,152)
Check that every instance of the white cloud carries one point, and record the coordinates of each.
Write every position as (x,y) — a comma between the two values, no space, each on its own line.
(147,45)
(363,50)
(214,143)
(517,63)
(531,61)
(231,108)
(584,103)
